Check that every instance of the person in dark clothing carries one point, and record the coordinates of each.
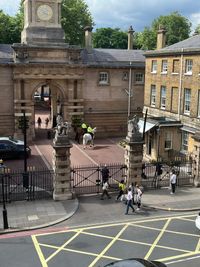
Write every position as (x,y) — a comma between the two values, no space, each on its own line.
(105,174)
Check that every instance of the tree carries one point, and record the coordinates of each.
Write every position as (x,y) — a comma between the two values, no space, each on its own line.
(10,28)
(75,16)
(110,38)
(178,28)
(197,30)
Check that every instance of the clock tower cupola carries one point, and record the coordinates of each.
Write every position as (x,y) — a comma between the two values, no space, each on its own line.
(42,22)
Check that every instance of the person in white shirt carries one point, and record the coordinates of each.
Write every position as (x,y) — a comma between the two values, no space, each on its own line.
(105,191)
(138,197)
(173,181)
(129,201)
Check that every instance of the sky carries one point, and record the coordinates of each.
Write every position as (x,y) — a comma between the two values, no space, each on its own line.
(122,14)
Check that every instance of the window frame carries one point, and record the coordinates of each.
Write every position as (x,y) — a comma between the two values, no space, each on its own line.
(154,66)
(141,75)
(188,67)
(153,96)
(198,106)
(187,102)
(164,66)
(163,97)
(103,81)
(184,141)
(168,140)
(173,66)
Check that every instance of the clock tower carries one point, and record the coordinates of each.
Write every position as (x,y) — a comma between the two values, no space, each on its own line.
(42,22)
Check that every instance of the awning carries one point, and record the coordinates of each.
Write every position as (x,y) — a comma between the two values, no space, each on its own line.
(148,126)
(188,129)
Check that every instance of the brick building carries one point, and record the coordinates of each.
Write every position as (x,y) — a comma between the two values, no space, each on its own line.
(101,86)
(172,97)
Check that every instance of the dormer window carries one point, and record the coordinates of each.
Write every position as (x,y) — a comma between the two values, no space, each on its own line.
(103,78)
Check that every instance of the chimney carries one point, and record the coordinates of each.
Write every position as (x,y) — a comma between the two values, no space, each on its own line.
(161,37)
(130,38)
(88,38)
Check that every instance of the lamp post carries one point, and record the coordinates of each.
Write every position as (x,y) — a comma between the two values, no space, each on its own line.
(129,91)
(4,211)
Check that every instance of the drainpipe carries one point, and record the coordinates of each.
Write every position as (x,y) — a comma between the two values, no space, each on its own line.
(129,92)
(180,85)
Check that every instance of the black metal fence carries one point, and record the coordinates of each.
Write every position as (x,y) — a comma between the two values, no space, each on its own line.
(153,178)
(88,179)
(34,184)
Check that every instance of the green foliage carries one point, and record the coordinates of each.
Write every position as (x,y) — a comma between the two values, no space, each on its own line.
(197,30)
(110,38)
(75,16)
(178,28)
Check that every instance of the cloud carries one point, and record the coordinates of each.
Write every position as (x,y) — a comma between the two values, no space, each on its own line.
(122,14)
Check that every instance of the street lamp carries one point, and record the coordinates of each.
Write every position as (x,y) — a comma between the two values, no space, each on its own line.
(129,91)
(4,211)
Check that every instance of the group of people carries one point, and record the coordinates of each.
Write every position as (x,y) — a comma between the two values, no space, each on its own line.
(132,194)
(39,122)
(85,128)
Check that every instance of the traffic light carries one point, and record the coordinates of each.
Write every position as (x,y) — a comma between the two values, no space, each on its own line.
(23,123)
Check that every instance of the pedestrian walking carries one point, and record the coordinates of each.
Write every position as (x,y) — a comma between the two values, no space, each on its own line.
(122,187)
(138,197)
(39,122)
(46,122)
(173,182)
(105,174)
(129,201)
(134,192)
(105,191)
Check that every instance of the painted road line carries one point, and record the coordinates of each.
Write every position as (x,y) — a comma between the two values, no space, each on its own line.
(85,154)
(183,260)
(157,240)
(39,252)
(43,157)
(109,245)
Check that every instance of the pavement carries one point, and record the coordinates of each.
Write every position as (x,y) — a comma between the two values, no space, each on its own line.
(31,215)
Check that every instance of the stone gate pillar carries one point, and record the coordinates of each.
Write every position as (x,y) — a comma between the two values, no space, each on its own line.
(62,164)
(134,152)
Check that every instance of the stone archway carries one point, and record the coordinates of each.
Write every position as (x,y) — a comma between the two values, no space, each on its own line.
(25,91)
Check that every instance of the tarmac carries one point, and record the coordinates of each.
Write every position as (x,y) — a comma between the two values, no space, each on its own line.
(32,215)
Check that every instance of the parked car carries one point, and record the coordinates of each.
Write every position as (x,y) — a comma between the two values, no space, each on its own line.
(197,221)
(11,148)
(135,263)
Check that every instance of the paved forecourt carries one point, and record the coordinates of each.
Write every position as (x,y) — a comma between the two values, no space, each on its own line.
(173,240)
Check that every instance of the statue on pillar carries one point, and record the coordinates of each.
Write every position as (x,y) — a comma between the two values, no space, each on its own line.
(62,128)
(133,129)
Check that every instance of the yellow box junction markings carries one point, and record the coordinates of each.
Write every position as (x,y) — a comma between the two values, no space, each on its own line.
(125,225)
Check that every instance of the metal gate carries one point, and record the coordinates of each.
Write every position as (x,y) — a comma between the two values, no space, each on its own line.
(87,179)
(35,184)
(152,177)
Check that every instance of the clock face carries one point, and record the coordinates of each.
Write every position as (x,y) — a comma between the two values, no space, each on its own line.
(44,12)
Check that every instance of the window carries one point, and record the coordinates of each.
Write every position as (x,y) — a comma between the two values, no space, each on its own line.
(154,66)
(187,99)
(163,97)
(198,113)
(139,78)
(175,66)
(103,78)
(153,96)
(125,76)
(174,99)
(164,66)
(168,140)
(184,145)
(188,66)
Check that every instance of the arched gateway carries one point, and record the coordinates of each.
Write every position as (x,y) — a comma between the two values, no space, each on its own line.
(100,86)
